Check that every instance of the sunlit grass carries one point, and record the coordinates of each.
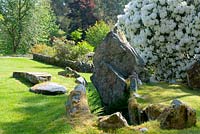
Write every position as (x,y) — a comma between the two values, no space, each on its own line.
(23,112)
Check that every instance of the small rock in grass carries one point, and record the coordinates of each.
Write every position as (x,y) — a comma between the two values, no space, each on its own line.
(69,73)
(176,103)
(143,130)
(112,121)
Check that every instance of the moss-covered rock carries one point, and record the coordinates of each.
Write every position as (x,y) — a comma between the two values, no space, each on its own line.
(178,117)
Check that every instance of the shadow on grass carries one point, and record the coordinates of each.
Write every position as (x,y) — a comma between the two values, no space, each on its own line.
(24,81)
(53,66)
(47,67)
(179,86)
(42,114)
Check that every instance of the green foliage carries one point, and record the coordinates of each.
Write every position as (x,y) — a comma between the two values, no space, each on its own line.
(94,100)
(43,49)
(15,13)
(24,112)
(96,33)
(68,50)
(64,49)
(59,33)
(76,35)
(26,22)
(42,24)
(108,10)
(84,47)
(1,17)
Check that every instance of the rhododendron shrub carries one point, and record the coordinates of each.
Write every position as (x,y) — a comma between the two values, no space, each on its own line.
(166,33)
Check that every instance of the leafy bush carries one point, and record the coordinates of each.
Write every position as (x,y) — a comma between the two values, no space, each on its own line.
(43,49)
(68,50)
(85,47)
(76,35)
(165,33)
(64,49)
(96,33)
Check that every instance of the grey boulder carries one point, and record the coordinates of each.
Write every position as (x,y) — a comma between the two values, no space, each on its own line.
(113,121)
(33,77)
(48,88)
(114,61)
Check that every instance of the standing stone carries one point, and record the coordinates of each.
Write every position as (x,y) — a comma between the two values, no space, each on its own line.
(193,75)
(134,80)
(77,104)
(114,62)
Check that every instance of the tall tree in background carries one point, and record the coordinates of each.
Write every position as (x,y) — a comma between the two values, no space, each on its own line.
(61,9)
(82,14)
(42,24)
(108,10)
(15,14)
(26,22)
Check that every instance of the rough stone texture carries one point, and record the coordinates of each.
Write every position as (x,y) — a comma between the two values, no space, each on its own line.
(153,111)
(33,77)
(114,60)
(69,73)
(193,76)
(178,116)
(134,111)
(48,88)
(81,80)
(80,88)
(75,65)
(113,121)
(77,104)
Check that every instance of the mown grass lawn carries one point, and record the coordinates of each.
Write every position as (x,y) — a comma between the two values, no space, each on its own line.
(23,112)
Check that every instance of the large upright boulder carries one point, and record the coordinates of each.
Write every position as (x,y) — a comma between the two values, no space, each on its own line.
(193,75)
(115,60)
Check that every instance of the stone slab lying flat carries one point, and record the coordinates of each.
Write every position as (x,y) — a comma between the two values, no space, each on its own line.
(48,88)
(33,77)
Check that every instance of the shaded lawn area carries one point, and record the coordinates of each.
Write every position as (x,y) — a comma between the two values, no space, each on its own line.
(23,112)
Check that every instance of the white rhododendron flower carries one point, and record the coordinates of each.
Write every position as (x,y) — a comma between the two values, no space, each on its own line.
(166,33)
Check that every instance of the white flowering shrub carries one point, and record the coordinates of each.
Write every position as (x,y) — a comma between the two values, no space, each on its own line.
(166,33)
